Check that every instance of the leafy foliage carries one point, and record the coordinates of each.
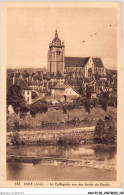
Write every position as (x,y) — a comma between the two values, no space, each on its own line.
(105,131)
(38,108)
(87,105)
(15,98)
(15,138)
(33,95)
(104,103)
(112,101)
(88,93)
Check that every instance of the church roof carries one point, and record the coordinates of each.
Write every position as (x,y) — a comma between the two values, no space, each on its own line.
(97,62)
(75,61)
(81,62)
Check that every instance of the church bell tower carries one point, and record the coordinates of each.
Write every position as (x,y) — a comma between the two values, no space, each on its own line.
(56,56)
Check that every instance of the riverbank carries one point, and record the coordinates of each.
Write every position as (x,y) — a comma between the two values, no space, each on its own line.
(54,119)
(51,137)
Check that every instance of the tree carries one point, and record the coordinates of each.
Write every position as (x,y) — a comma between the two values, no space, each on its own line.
(33,95)
(81,90)
(38,108)
(65,109)
(105,131)
(99,133)
(23,111)
(104,103)
(87,105)
(104,99)
(105,95)
(88,92)
(111,133)
(112,101)
(15,98)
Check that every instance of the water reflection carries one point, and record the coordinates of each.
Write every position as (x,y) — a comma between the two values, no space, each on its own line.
(103,152)
(13,170)
(66,168)
(97,152)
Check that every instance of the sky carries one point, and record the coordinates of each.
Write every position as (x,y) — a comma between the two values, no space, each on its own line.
(85,31)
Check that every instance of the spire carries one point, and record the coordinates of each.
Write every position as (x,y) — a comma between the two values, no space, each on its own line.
(56,34)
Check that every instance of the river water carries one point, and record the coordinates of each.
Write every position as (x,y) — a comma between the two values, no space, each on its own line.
(97,163)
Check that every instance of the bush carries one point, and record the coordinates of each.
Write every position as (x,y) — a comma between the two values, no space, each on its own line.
(63,141)
(112,101)
(87,105)
(12,122)
(15,138)
(105,131)
(38,108)
(79,102)
(94,102)
(104,103)
(23,111)
(34,95)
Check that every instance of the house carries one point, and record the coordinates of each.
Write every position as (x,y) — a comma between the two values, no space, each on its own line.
(26,91)
(64,90)
(34,83)
(38,99)
(77,84)
(50,99)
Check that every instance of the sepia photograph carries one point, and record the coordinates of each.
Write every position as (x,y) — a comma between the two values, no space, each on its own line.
(62,75)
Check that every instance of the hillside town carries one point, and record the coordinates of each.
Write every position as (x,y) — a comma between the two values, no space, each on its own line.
(65,79)
(62,113)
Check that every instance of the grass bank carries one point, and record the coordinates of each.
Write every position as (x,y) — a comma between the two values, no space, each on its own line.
(56,120)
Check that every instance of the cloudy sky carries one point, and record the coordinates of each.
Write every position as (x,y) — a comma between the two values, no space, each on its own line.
(85,31)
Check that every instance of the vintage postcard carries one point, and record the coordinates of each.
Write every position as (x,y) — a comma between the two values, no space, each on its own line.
(61,76)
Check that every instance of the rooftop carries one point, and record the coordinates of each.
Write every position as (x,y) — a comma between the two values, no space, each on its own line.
(75,61)
(81,62)
(18,81)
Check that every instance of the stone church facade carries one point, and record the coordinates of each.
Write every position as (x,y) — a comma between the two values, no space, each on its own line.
(73,67)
